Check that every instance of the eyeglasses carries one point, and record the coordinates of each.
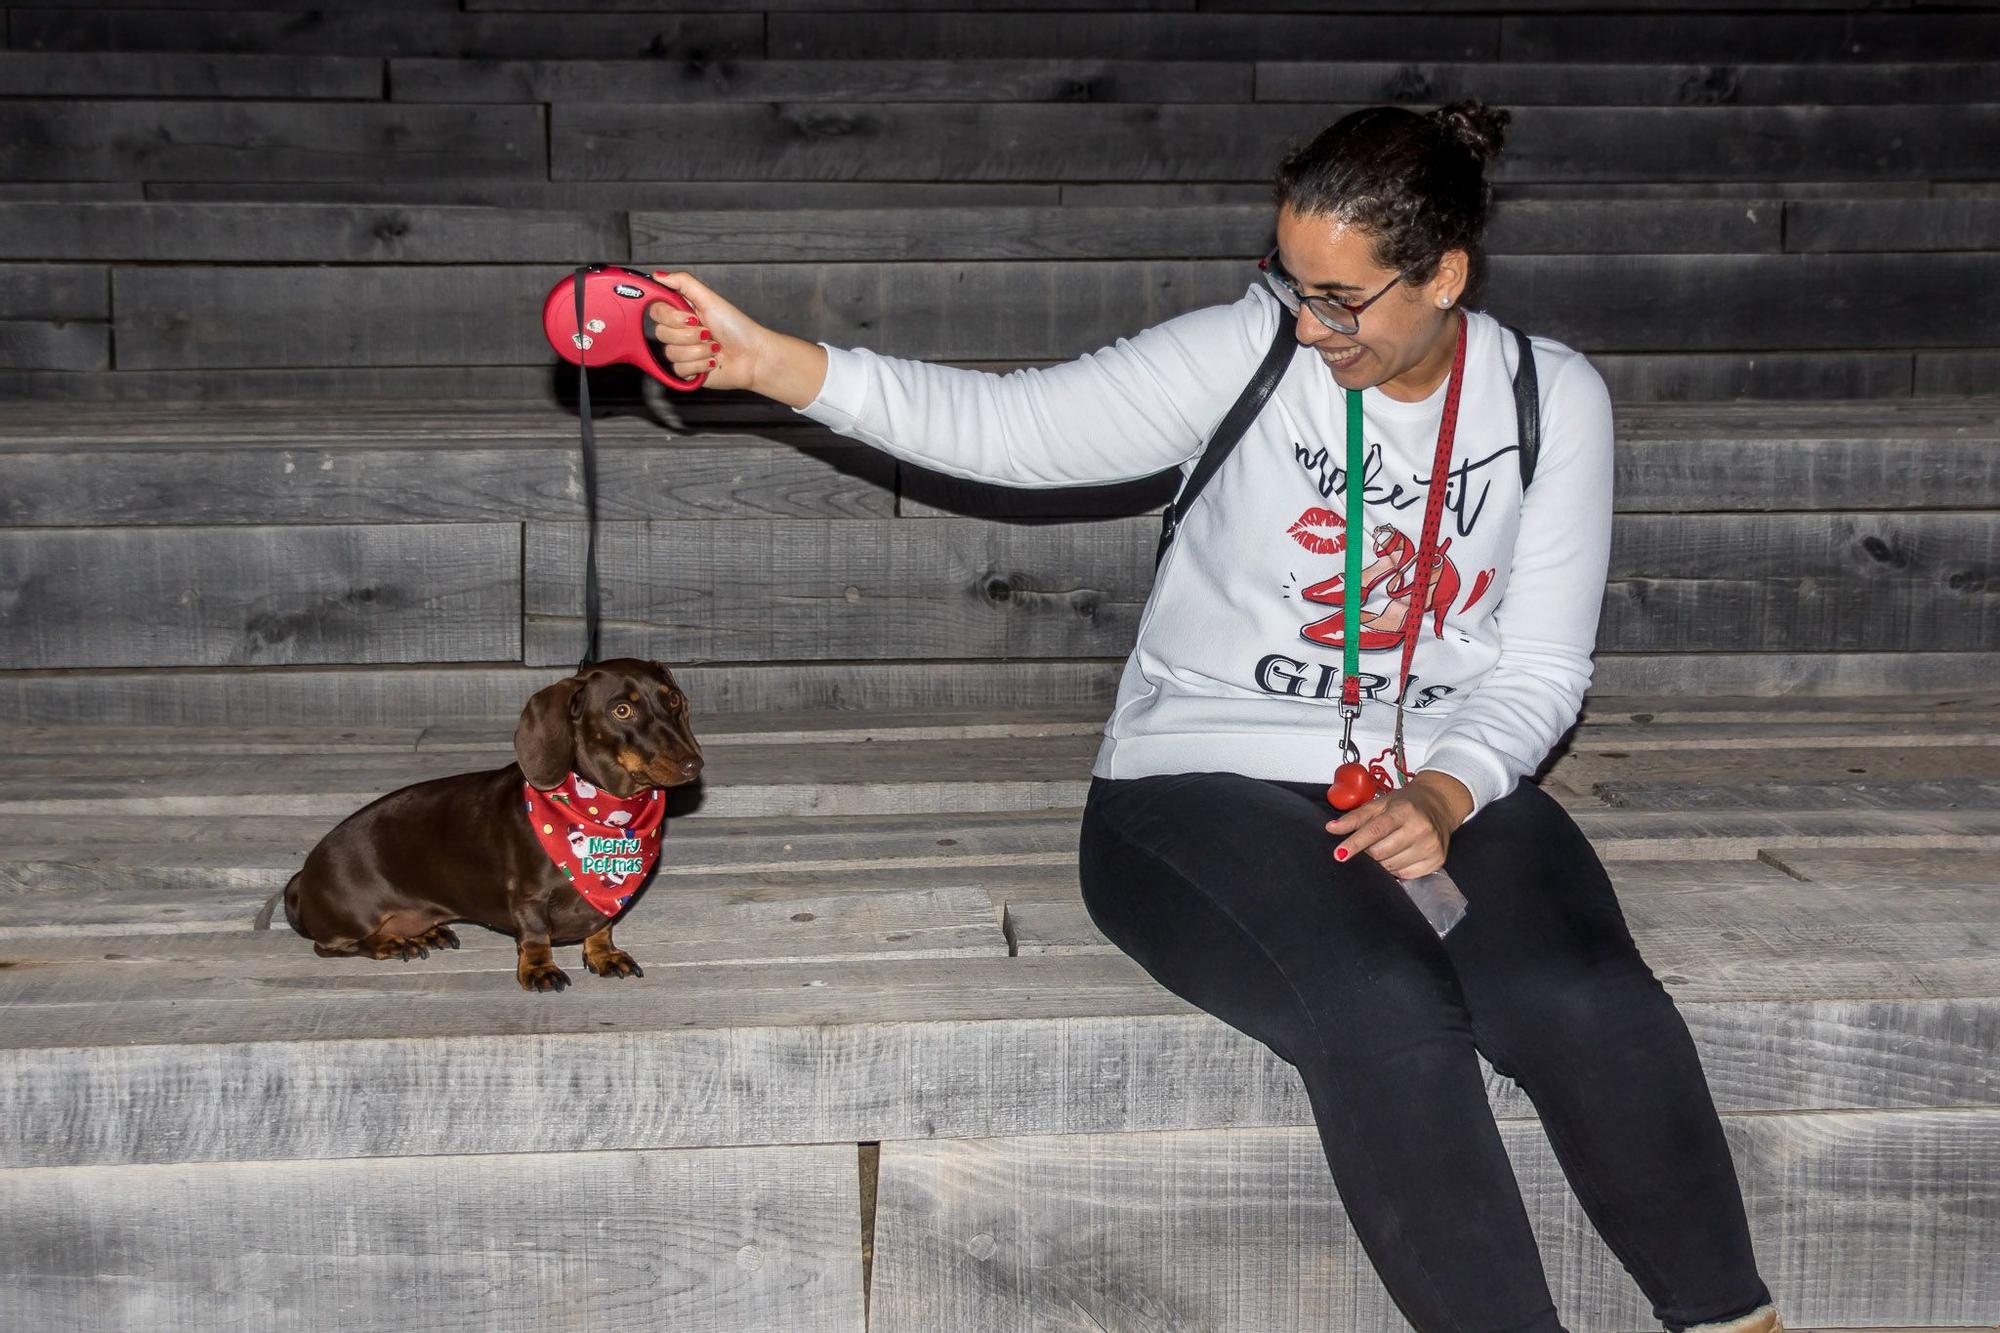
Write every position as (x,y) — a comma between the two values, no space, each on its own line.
(1340,316)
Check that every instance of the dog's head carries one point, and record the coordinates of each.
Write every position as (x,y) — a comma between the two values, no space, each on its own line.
(622,724)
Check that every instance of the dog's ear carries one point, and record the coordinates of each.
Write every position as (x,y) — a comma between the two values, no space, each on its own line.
(544,743)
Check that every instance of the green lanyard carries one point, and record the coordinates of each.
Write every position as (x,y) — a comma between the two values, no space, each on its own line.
(1429,560)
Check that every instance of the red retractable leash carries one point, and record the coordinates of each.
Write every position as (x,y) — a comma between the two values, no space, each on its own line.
(601,309)
(1353,785)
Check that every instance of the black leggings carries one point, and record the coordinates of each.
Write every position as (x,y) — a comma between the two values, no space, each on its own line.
(1224,888)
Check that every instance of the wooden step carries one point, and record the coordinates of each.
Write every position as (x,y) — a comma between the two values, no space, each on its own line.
(931,982)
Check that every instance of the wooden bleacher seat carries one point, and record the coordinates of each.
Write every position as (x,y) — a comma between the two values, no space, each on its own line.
(855,940)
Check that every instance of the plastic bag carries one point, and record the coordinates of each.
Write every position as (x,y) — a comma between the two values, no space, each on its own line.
(1437,896)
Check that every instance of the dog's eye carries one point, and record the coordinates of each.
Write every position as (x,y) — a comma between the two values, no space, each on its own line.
(622,710)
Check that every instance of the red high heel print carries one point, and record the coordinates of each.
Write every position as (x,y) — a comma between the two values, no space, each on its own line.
(1384,628)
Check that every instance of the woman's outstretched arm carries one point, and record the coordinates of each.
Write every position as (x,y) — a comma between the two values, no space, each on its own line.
(1145,403)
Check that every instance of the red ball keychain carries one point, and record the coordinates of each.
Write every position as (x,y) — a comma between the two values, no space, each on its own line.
(1353,786)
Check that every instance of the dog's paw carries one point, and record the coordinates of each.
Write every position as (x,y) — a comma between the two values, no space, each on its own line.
(405,947)
(612,963)
(541,976)
(438,937)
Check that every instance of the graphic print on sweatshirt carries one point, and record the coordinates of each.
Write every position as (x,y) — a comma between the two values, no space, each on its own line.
(1389,564)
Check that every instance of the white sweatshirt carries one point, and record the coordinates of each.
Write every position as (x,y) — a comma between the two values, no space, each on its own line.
(1237,660)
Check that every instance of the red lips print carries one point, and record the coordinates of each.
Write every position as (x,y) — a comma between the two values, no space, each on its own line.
(1320,531)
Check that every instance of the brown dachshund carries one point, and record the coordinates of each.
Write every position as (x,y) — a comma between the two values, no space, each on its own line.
(387,879)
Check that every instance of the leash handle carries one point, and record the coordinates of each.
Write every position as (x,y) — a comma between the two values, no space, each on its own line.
(590,607)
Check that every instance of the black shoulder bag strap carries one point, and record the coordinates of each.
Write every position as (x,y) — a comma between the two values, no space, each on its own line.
(1237,420)
(1527,420)
(1527,405)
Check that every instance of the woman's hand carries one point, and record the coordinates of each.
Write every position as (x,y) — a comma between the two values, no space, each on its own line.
(721,341)
(1409,829)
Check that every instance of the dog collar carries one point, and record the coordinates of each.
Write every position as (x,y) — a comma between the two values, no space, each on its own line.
(605,845)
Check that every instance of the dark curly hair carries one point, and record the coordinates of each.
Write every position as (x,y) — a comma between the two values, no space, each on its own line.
(1416,182)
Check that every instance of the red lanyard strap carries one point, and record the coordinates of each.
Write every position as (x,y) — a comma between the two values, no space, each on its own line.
(1430,557)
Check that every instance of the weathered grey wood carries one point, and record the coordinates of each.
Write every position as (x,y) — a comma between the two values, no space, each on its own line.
(334,6)
(1788,582)
(67,139)
(709,35)
(725,1238)
(716,730)
(1630,378)
(60,345)
(741,781)
(638,141)
(477,314)
(189,74)
(957,587)
(1862,865)
(1187,81)
(1643,82)
(790,1053)
(1817,225)
(1717,37)
(81,191)
(1956,372)
(1151,194)
(936,588)
(306,233)
(54,291)
(546,194)
(426,694)
(1107,80)
(1530,226)
(1238,1230)
(1859,793)
(681,921)
(127,740)
(297,480)
(238,596)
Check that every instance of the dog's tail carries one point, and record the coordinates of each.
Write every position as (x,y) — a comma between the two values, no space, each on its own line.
(290,893)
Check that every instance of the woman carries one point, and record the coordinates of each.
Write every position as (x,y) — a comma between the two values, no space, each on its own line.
(1208,853)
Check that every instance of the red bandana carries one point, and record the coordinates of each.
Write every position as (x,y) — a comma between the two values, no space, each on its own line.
(605,844)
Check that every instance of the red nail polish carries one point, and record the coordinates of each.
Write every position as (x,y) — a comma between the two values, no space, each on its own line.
(690,319)
(711,361)
(1340,853)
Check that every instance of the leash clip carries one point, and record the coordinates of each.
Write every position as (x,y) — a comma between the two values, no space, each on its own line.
(1347,750)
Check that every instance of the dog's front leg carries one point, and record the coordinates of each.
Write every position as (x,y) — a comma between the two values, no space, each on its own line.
(606,959)
(534,964)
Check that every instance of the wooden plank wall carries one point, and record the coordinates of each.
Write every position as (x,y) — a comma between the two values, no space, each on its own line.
(331,205)
(270,199)
(429,563)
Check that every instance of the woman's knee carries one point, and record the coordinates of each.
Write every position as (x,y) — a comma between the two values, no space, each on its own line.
(1565,1013)
(1189,942)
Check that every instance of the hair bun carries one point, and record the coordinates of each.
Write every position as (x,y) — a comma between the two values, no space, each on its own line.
(1481,128)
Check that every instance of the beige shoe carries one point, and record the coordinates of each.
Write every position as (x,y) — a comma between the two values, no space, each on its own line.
(1763,1319)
